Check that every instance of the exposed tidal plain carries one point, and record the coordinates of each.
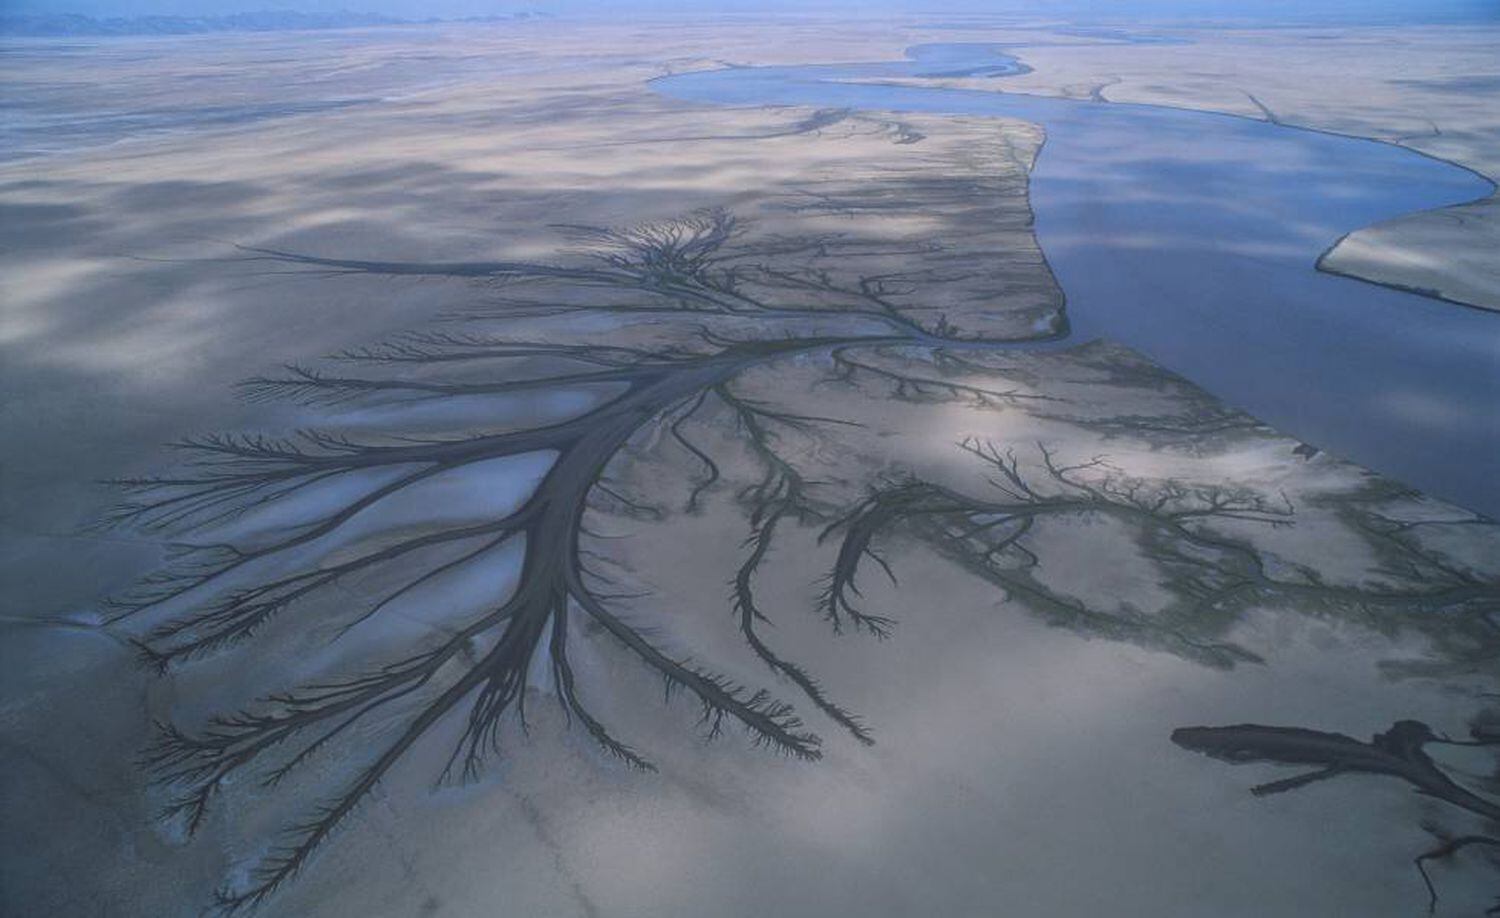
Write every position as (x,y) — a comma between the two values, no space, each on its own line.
(525,382)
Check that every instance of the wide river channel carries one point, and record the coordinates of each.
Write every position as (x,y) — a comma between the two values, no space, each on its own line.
(1193,237)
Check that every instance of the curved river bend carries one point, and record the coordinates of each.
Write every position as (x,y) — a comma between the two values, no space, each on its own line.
(1192,237)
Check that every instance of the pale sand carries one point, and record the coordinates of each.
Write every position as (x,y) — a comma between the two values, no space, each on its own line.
(1434,89)
(1022,759)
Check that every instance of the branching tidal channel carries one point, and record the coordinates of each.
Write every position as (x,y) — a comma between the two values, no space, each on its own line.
(305,533)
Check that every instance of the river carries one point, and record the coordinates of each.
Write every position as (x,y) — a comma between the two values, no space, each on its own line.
(1193,237)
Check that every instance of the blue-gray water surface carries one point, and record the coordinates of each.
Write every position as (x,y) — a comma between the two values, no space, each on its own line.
(1193,237)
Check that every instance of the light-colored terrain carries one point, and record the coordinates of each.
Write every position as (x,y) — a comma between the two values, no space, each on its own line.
(1086,552)
(1433,89)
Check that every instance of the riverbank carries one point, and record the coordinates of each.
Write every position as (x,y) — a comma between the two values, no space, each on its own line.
(1430,88)
(1194,237)
(767,384)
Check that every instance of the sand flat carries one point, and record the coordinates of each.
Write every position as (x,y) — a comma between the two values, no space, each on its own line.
(777,341)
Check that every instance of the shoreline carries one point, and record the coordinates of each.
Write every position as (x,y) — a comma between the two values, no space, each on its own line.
(1257,266)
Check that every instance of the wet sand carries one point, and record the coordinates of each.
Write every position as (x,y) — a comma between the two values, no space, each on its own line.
(872,331)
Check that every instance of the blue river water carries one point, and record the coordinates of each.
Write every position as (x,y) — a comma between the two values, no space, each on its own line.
(1193,237)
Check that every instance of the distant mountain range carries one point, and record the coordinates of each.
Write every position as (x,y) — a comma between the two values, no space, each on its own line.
(72,24)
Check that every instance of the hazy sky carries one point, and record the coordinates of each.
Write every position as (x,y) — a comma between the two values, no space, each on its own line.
(1082,9)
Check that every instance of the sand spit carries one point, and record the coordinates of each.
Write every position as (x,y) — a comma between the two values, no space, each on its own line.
(1448,254)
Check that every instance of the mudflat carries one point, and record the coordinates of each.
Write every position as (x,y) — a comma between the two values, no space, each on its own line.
(510,395)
